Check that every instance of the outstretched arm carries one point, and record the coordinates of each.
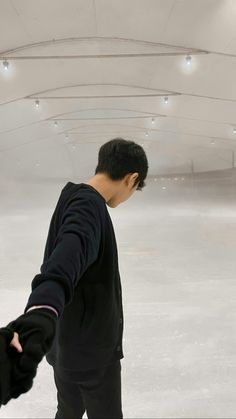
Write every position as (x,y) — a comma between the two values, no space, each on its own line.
(76,248)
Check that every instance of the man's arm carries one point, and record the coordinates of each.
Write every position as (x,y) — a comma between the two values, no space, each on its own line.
(76,248)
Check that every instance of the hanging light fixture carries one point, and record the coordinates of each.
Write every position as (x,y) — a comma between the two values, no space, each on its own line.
(188,60)
(5,64)
(37,103)
(166,99)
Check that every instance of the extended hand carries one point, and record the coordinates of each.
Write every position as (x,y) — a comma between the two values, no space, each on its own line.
(19,359)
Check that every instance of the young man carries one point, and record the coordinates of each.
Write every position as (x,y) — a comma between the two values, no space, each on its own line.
(79,288)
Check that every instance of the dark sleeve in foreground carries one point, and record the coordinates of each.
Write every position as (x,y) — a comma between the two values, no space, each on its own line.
(76,248)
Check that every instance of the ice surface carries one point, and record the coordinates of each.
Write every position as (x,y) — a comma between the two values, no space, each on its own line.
(177,264)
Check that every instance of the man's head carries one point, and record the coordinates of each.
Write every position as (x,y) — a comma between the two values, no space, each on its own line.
(121,170)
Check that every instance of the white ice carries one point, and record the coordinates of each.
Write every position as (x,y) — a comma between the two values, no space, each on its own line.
(177,264)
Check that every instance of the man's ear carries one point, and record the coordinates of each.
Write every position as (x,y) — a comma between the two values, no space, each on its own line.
(136,175)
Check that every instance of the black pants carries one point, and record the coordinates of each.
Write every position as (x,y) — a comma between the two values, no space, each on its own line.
(98,392)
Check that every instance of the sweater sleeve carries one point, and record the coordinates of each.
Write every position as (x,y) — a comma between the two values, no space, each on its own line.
(76,247)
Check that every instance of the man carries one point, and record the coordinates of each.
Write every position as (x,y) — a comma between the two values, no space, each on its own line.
(74,314)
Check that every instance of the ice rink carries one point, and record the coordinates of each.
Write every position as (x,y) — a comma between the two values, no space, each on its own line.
(177,264)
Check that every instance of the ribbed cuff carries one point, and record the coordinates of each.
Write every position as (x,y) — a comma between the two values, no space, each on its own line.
(51,308)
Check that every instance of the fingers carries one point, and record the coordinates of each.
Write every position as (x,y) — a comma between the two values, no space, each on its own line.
(15,342)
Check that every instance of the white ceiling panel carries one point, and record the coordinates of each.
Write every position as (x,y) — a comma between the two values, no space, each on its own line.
(45,20)
(102,68)
(138,19)
(9,17)
(208,24)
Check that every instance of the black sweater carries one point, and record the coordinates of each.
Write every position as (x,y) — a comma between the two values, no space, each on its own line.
(80,279)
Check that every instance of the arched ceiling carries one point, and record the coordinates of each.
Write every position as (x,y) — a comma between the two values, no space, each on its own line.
(103,68)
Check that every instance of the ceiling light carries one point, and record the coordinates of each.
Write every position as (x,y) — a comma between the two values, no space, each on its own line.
(146,134)
(163,187)
(5,65)
(37,103)
(55,124)
(166,99)
(234,130)
(67,136)
(188,59)
(153,120)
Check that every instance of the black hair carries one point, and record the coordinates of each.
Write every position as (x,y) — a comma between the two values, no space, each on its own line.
(118,157)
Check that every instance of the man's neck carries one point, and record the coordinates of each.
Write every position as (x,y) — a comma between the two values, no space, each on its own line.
(103,185)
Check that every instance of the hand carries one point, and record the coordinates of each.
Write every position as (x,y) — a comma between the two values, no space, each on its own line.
(15,342)
(36,330)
